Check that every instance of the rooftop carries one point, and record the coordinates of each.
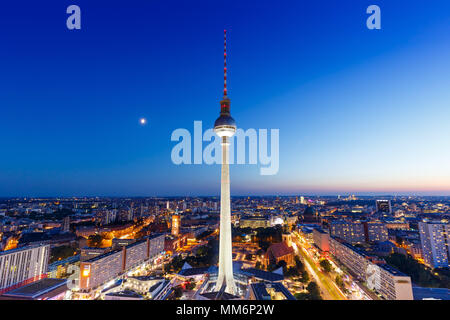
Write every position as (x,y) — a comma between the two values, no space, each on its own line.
(261,291)
(125,293)
(2,253)
(37,288)
(261,274)
(280,249)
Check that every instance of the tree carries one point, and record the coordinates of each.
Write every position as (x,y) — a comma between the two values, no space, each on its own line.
(299,265)
(340,283)
(291,272)
(95,240)
(302,296)
(177,292)
(61,252)
(305,277)
(326,265)
(313,290)
(419,273)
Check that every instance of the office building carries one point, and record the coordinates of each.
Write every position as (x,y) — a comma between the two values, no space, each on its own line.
(104,268)
(434,237)
(375,231)
(176,221)
(66,224)
(254,222)
(383,206)
(321,239)
(21,266)
(349,231)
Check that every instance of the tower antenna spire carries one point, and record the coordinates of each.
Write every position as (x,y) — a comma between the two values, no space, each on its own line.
(225,64)
(225,127)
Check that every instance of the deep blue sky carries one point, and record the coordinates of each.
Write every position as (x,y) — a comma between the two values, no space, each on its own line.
(359,111)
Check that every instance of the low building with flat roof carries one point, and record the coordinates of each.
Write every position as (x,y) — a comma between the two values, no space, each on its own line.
(269,291)
(44,289)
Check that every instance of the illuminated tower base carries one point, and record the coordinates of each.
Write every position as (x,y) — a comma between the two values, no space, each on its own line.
(225,275)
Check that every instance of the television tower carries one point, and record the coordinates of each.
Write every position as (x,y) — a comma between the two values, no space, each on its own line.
(225,127)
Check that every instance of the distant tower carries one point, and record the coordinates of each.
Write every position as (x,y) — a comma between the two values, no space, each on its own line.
(176,224)
(130,212)
(225,127)
(66,224)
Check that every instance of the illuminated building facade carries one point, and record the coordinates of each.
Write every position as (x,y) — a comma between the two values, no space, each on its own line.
(22,266)
(254,222)
(103,268)
(434,237)
(321,239)
(383,206)
(390,283)
(375,231)
(176,220)
(349,231)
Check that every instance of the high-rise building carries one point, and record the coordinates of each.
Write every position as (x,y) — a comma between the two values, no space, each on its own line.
(176,225)
(110,216)
(302,200)
(66,224)
(130,213)
(22,266)
(141,214)
(434,237)
(383,206)
(225,127)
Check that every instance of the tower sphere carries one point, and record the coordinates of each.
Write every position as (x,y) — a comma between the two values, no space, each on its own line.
(225,126)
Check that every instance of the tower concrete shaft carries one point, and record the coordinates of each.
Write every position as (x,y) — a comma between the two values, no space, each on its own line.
(225,276)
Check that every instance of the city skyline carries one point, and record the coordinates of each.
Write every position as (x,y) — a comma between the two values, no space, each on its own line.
(334,181)
(359,111)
